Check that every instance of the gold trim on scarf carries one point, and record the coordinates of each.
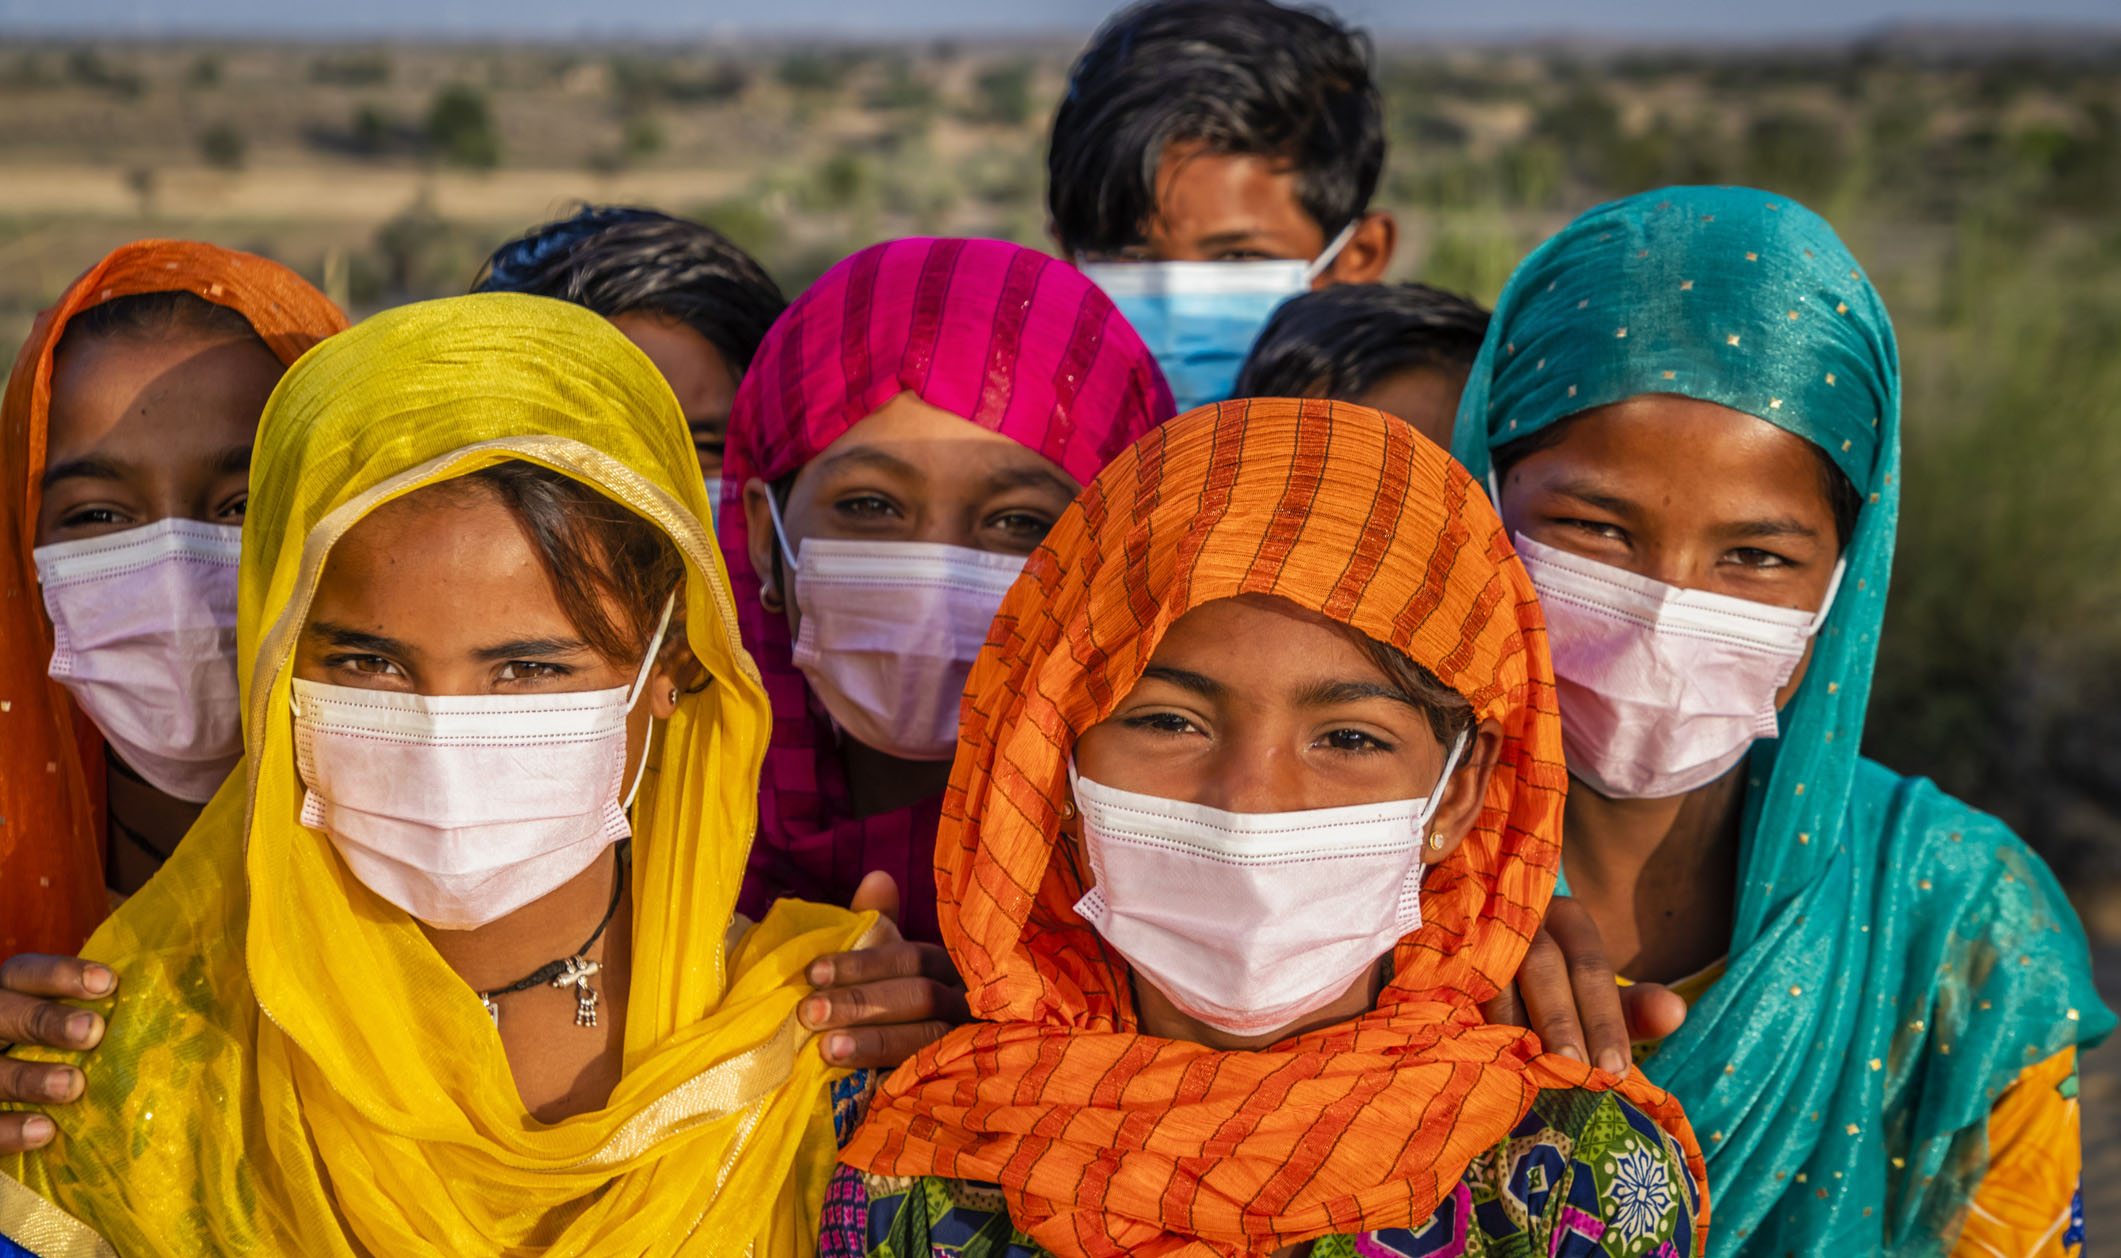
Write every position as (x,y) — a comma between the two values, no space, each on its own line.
(43,1229)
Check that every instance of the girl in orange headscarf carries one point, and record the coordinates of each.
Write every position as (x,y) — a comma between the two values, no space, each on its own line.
(124,451)
(1258,796)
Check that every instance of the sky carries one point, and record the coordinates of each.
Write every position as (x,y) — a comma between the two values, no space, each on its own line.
(1631,20)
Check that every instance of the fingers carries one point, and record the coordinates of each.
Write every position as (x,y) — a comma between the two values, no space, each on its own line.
(39,1083)
(1507,1009)
(1653,1010)
(19,1133)
(886,1001)
(878,891)
(57,978)
(1596,988)
(1549,1004)
(28,1020)
(877,1047)
(895,958)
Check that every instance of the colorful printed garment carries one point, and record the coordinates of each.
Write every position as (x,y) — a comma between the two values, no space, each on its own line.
(1583,1175)
(1898,959)
(998,335)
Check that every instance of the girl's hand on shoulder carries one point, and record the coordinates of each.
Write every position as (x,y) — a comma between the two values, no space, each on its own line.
(1568,994)
(879,1005)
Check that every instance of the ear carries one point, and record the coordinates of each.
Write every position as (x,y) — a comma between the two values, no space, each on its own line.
(1367,255)
(762,544)
(677,671)
(1464,794)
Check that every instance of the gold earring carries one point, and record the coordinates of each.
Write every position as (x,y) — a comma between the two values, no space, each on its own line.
(1436,840)
(673,694)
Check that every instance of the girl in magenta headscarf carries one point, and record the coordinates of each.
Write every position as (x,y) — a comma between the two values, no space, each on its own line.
(908,432)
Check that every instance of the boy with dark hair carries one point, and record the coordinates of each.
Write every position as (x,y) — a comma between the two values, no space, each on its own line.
(1210,159)
(1404,349)
(697,305)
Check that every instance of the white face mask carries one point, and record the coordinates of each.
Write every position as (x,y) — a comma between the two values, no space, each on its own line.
(1200,318)
(1249,921)
(144,638)
(1662,689)
(890,631)
(461,809)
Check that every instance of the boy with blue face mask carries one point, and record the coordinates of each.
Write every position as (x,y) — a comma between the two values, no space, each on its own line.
(1210,159)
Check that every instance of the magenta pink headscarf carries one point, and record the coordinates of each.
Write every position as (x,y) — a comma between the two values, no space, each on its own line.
(1003,336)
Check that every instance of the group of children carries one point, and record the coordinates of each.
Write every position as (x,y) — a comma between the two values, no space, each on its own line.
(1004,754)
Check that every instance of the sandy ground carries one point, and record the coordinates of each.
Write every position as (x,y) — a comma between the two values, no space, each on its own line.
(340,192)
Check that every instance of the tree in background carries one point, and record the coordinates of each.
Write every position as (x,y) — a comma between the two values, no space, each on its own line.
(460,127)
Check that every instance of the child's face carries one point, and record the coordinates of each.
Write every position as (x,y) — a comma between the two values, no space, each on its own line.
(1243,207)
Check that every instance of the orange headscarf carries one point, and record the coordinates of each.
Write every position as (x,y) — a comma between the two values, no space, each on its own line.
(1106,1141)
(51,801)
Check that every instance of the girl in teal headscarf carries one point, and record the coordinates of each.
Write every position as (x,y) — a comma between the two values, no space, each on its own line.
(1888,988)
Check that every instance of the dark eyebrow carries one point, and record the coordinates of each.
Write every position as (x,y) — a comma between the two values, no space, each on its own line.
(869,456)
(1028,477)
(1327,694)
(530,649)
(347,638)
(1204,686)
(88,467)
(1589,494)
(1222,240)
(1780,526)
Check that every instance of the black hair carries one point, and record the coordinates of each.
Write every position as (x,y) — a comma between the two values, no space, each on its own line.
(596,552)
(150,316)
(1340,342)
(1239,76)
(1842,497)
(624,260)
(1450,713)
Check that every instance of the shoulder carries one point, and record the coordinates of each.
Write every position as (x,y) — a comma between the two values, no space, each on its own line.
(1953,867)
(895,1217)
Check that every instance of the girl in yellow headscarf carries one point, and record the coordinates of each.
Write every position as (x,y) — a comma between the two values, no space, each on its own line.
(449,966)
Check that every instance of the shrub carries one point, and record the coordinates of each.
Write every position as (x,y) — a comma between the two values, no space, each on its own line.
(223,146)
(460,127)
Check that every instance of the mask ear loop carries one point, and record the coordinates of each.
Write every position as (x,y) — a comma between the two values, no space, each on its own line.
(1435,802)
(640,683)
(780,531)
(1332,250)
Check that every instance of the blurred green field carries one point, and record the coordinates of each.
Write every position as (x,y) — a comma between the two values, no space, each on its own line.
(1979,185)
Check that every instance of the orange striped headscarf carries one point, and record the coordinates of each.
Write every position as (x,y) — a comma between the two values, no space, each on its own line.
(1107,1141)
(51,767)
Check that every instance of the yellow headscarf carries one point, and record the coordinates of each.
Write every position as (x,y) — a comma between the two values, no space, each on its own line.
(290,1067)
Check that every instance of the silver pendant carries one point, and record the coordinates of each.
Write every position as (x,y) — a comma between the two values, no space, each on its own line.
(576,974)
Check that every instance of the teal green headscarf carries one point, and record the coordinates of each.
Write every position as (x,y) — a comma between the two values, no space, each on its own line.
(1897,957)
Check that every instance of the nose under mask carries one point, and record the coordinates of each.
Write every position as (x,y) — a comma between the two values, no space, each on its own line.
(890,631)
(1200,319)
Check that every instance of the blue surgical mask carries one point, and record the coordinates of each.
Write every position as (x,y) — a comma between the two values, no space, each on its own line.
(1200,318)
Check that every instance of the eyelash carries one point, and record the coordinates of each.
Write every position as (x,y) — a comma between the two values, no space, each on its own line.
(1158,723)
(86,517)
(358,664)
(866,507)
(548,671)
(1372,744)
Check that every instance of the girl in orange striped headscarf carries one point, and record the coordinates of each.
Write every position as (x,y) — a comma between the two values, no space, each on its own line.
(130,408)
(1258,796)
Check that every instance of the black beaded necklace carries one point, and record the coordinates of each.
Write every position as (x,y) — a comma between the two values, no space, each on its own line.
(570,971)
